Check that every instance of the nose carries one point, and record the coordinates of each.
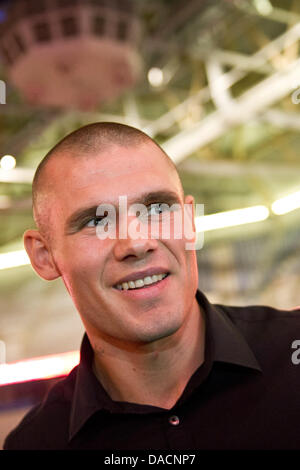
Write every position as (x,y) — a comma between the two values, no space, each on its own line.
(136,247)
(139,249)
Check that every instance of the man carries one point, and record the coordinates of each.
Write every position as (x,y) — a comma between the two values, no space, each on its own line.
(161,368)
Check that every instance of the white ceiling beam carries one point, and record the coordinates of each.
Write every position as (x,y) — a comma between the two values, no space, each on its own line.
(229,169)
(219,86)
(219,90)
(242,61)
(282,119)
(131,111)
(273,13)
(266,53)
(247,106)
(17,175)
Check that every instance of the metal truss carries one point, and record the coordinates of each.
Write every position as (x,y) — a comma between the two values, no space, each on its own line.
(277,83)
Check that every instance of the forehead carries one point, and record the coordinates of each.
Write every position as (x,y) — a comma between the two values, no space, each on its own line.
(106,175)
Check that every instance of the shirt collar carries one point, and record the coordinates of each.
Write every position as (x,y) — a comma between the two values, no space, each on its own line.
(89,396)
(226,344)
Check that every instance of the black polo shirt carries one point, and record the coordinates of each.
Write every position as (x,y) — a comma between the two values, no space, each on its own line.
(244,396)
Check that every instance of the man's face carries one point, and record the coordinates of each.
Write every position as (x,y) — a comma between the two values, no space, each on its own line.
(92,268)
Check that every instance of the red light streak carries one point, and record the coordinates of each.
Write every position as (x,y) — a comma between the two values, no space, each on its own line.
(45,367)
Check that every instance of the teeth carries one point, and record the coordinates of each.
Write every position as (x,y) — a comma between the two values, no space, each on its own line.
(141,282)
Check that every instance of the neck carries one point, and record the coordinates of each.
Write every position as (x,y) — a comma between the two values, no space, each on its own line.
(154,374)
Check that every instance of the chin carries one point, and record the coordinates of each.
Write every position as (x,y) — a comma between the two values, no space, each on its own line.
(159,332)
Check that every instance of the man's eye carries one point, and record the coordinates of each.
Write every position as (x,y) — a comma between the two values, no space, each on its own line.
(157,209)
(94,222)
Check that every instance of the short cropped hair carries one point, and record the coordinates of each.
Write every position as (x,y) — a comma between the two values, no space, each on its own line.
(84,141)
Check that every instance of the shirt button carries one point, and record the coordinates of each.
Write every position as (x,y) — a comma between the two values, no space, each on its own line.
(174,420)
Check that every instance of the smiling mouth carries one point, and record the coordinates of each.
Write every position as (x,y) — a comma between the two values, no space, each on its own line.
(147,281)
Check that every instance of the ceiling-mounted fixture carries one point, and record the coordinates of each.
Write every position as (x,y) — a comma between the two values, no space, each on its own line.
(71,54)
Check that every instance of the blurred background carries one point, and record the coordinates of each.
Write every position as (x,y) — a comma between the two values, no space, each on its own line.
(216,83)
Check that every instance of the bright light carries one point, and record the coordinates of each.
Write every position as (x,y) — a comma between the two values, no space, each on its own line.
(231,218)
(286,204)
(264,7)
(8,162)
(155,77)
(14,259)
(46,367)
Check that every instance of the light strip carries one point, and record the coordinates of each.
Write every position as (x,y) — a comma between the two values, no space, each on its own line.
(46,367)
(17,175)
(14,259)
(286,204)
(231,218)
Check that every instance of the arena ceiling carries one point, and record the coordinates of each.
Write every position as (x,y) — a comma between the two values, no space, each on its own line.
(218,89)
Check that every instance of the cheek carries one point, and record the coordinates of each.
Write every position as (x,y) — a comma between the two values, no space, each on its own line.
(82,259)
(187,259)
(178,227)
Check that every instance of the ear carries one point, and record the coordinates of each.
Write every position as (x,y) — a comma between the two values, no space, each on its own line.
(189,200)
(40,255)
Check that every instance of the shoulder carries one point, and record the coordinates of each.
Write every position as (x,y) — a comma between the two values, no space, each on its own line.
(259,313)
(262,318)
(271,333)
(46,422)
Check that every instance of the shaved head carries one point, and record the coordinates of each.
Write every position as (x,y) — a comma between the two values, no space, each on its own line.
(90,140)
(90,169)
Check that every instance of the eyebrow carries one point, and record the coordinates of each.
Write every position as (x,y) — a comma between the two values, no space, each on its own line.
(78,218)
